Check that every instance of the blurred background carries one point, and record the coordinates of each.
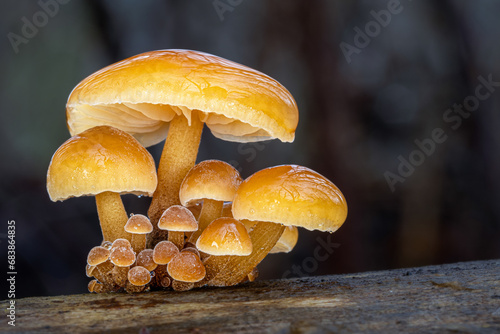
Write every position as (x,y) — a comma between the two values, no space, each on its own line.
(372,80)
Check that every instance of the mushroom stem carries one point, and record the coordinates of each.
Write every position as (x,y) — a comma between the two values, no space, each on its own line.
(177,238)
(230,270)
(210,211)
(138,242)
(112,216)
(178,157)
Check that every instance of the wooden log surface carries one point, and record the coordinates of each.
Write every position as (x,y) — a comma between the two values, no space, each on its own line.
(460,297)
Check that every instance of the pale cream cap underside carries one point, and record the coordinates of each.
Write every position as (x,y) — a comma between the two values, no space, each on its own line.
(141,95)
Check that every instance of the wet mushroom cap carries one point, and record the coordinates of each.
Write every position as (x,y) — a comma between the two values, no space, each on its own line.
(121,243)
(99,160)
(225,236)
(178,218)
(145,259)
(164,252)
(186,267)
(122,256)
(141,94)
(291,195)
(139,276)
(97,255)
(139,224)
(212,179)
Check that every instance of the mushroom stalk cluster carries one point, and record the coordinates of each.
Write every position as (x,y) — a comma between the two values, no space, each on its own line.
(205,225)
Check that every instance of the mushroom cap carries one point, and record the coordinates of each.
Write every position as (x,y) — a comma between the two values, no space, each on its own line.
(178,218)
(141,94)
(98,160)
(121,243)
(122,256)
(212,179)
(186,267)
(97,255)
(139,276)
(138,224)
(291,195)
(287,241)
(225,236)
(164,252)
(145,259)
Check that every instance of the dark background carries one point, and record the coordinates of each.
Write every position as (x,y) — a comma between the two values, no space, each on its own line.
(359,116)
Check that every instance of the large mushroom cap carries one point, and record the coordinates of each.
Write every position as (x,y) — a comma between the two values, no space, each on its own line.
(291,195)
(212,179)
(98,160)
(141,94)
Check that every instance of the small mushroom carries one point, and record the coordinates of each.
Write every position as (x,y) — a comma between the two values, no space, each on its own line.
(122,257)
(138,226)
(213,182)
(192,250)
(145,259)
(104,162)
(186,267)
(225,236)
(163,253)
(138,277)
(95,286)
(289,195)
(177,220)
(98,258)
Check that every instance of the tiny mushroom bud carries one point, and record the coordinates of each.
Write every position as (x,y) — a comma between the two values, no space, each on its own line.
(164,252)
(98,258)
(177,220)
(122,258)
(192,250)
(186,267)
(95,286)
(145,259)
(139,276)
(138,226)
(213,182)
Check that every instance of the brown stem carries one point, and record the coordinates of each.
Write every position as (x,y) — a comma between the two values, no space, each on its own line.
(178,157)
(230,270)
(177,238)
(138,242)
(210,211)
(112,216)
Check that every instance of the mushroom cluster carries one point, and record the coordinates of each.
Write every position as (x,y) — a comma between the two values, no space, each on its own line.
(205,225)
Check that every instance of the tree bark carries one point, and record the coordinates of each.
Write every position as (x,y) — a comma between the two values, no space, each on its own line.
(461,297)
